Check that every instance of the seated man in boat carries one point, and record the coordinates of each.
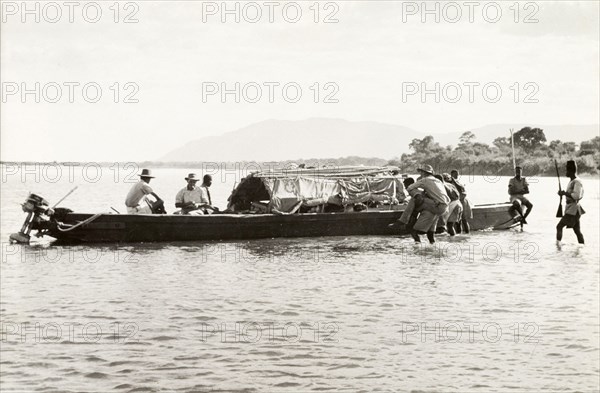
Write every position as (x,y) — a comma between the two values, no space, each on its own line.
(206,203)
(467,213)
(517,188)
(191,199)
(135,201)
(401,195)
(435,203)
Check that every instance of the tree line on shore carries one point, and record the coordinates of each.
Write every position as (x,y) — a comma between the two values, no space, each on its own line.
(532,152)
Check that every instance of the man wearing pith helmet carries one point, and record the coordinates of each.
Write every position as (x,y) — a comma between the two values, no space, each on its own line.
(435,203)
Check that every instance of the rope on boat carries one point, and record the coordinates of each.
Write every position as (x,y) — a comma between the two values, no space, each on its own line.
(506,222)
(85,222)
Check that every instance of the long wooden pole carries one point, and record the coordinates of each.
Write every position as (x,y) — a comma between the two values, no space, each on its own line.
(559,211)
(512,143)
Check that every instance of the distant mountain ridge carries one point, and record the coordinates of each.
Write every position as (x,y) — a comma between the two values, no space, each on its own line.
(280,140)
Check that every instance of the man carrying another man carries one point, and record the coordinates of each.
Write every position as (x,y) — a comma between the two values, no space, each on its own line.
(435,203)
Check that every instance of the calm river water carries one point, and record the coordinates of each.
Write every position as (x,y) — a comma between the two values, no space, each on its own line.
(494,311)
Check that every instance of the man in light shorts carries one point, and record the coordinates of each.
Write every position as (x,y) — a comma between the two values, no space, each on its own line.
(435,203)
(135,200)
(517,188)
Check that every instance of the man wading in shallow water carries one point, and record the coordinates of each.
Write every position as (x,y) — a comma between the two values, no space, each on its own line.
(463,224)
(435,203)
(573,211)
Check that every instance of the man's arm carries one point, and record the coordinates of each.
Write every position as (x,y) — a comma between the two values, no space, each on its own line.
(576,194)
(511,186)
(525,186)
(203,199)
(147,190)
(415,185)
(179,199)
(156,196)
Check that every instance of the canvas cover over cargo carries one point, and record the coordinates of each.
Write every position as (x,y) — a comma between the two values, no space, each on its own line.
(287,191)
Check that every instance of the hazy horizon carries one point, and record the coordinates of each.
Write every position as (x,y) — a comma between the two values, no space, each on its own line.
(174,52)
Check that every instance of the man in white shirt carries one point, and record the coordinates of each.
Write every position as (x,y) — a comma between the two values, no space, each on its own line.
(191,198)
(138,191)
(435,203)
(573,210)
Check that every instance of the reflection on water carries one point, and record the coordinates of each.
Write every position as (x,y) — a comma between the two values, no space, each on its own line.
(493,311)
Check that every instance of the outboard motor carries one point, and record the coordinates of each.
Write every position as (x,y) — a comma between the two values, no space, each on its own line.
(34,206)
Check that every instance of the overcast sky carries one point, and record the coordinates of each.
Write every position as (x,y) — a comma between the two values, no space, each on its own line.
(367,56)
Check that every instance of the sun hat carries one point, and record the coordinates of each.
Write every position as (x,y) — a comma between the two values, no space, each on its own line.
(426,168)
(192,176)
(146,173)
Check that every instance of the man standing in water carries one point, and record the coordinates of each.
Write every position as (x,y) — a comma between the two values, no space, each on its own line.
(463,223)
(435,203)
(517,188)
(573,210)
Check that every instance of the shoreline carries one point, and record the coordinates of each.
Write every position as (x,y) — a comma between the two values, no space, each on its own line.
(266,165)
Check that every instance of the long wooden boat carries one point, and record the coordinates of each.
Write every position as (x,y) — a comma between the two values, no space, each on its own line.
(70,227)
(125,228)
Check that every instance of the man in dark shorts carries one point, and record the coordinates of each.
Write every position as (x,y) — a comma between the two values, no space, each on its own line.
(573,210)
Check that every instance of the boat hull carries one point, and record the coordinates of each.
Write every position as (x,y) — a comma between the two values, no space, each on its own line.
(127,228)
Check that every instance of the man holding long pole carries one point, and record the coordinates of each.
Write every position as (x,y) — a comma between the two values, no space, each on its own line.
(573,210)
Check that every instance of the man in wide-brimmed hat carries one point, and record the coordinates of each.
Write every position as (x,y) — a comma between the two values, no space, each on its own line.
(573,210)
(435,203)
(137,193)
(191,198)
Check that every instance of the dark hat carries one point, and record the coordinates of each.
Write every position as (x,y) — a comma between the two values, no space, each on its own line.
(192,176)
(426,169)
(146,173)
(572,166)
(518,167)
